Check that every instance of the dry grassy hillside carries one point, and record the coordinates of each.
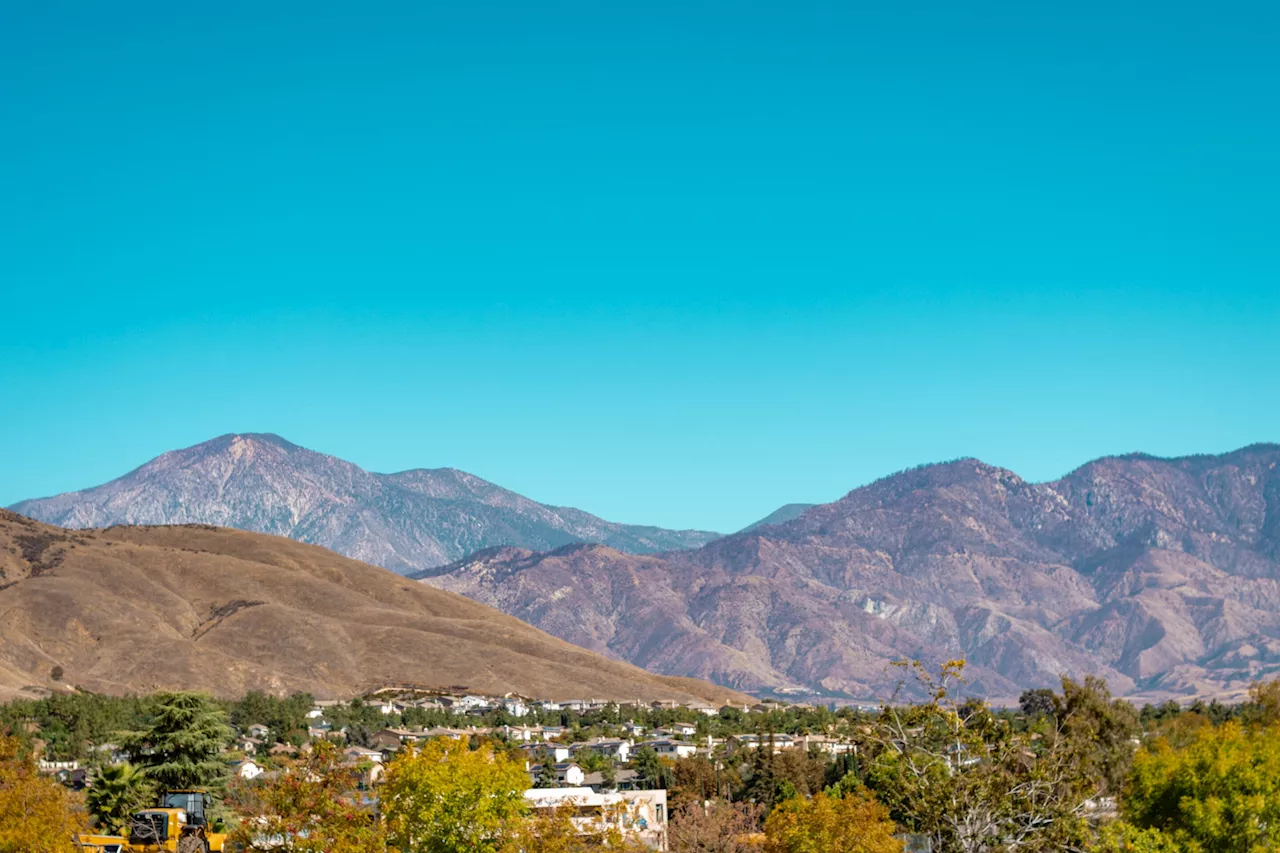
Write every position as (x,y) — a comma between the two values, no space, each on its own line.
(145,608)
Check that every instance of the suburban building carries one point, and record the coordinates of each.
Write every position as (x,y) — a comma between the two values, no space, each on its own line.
(555,752)
(614,748)
(246,769)
(639,814)
(567,773)
(739,742)
(672,748)
(623,780)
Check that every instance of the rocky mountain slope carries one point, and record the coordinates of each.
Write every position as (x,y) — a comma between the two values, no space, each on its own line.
(405,522)
(1163,575)
(135,609)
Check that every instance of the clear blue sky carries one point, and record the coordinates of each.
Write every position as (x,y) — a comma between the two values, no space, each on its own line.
(675,263)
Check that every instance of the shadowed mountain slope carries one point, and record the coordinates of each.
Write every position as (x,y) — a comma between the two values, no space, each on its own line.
(1163,575)
(405,522)
(136,609)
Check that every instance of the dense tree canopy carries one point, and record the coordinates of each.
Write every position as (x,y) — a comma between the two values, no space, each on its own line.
(851,824)
(308,807)
(181,745)
(36,813)
(446,798)
(1219,794)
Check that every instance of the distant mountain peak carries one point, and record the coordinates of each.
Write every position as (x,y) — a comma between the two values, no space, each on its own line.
(406,521)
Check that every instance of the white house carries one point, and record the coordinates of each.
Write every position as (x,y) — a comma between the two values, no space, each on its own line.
(567,773)
(258,730)
(524,734)
(684,729)
(515,707)
(615,748)
(555,752)
(672,748)
(737,742)
(246,769)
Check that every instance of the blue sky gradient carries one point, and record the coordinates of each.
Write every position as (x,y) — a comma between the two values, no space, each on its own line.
(673,263)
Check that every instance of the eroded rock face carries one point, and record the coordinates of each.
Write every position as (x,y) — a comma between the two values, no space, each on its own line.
(1161,575)
(405,522)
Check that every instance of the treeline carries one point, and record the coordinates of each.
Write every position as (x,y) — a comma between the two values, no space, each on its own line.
(1073,770)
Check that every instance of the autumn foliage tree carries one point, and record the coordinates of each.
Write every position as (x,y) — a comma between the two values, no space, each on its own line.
(1219,794)
(714,826)
(447,798)
(36,814)
(309,807)
(855,823)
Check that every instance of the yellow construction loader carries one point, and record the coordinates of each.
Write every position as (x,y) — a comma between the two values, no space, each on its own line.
(177,825)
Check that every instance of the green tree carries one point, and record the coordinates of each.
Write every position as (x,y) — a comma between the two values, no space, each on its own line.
(650,769)
(609,777)
(447,798)
(1041,702)
(546,777)
(1121,837)
(1264,703)
(959,774)
(181,747)
(1220,794)
(116,793)
(1101,728)
(851,824)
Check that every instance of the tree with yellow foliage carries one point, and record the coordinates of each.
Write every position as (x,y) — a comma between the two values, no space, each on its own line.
(855,823)
(1218,794)
(35,813)
(309,807)
(447,798)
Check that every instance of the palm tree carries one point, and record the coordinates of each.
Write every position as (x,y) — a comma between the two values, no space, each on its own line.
(117,792)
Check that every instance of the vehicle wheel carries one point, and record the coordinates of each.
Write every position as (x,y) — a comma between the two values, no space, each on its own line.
(193,844)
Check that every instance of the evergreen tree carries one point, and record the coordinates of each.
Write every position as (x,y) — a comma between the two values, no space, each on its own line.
(649,766)
(546,776)
(608,777)
(181,747)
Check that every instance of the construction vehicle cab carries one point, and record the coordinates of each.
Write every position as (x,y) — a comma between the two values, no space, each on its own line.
(195,803)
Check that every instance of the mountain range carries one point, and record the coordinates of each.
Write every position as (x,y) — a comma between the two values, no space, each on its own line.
(137,609)
(1161,575)
(406,522)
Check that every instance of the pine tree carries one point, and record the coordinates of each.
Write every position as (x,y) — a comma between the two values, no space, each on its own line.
(181,747)
(546,776)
